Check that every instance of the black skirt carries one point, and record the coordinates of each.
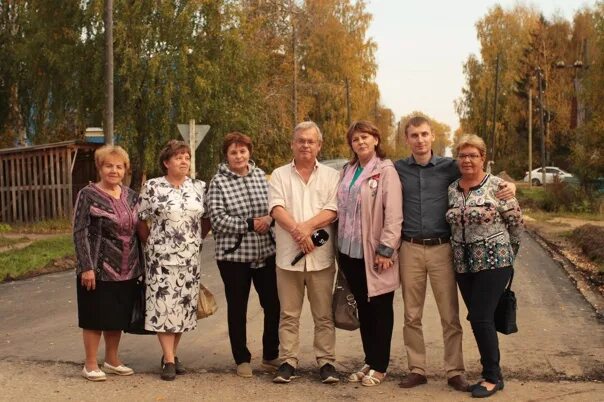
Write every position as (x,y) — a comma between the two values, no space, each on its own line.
(108,307)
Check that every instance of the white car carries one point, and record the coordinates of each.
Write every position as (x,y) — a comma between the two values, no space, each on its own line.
(337,164)
(552,174)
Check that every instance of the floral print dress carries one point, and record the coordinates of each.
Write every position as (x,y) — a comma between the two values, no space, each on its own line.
(172,253)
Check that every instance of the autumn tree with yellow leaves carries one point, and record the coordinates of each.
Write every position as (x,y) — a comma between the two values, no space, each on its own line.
(494,101)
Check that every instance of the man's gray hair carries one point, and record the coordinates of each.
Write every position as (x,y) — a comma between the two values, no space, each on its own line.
(307,125)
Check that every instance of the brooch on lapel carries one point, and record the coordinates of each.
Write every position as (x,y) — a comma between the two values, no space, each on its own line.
(373,183)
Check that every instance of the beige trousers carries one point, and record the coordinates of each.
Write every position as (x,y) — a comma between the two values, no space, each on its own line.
(417,262)
(319,285)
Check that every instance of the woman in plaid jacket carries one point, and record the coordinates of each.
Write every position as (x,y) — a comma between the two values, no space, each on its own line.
(245,248)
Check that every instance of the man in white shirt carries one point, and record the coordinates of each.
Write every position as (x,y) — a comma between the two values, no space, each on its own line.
(302,199)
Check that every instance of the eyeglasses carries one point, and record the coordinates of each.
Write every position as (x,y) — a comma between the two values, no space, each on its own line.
(472,157)
(301,142)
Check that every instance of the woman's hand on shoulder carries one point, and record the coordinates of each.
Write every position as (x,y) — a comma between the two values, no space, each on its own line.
(506,191)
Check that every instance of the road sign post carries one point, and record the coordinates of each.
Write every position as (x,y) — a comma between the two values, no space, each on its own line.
(193,135)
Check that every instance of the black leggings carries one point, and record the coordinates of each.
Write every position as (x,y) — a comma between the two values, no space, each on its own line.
(237,278)
(481,292)
(376,315)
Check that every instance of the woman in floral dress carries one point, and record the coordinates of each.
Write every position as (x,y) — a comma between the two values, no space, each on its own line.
(174,206)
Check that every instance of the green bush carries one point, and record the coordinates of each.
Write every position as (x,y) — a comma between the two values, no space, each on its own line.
(559,197)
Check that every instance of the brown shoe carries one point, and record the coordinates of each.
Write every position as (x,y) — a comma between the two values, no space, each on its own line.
(413,380)
(459,383)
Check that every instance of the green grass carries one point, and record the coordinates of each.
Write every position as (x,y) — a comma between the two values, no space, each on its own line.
(31,259)
(47,226)
(11,241)
(545,216)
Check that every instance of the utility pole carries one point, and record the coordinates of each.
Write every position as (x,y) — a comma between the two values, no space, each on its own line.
(108,123)
(495,101)
(295,65)
(348,118)
(530,135)
(541,123)
(375,111)
(192,147)
(485,113)
(580,64)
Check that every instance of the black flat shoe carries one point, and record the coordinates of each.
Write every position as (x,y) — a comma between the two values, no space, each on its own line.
(480,391)
(168,372)
(471,387)
(180,368)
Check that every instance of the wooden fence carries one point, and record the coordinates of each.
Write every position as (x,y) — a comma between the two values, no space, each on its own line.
(41,182)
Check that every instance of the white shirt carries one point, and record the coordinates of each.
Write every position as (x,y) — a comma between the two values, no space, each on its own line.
(303,201)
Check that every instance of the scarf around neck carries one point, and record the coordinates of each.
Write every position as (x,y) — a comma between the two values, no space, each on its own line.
(350,239)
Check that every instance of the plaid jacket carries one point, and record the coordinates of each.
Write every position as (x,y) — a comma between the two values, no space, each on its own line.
(231,200)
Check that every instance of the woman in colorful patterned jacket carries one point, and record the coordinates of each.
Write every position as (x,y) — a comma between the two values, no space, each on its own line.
(485,237)
(108,261)
(370,218)
(245,248)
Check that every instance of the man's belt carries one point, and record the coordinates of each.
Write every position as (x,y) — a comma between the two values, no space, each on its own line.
(435,241)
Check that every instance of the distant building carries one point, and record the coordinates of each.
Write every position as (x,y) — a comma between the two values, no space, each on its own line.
(94,135)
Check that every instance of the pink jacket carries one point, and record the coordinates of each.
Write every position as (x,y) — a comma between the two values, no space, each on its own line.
(381,225)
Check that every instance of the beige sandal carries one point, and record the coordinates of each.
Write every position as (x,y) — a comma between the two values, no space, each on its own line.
(370,380)
(358,376)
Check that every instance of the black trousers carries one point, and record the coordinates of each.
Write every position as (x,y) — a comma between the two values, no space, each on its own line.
(237,278)
(376,315)
(481,292)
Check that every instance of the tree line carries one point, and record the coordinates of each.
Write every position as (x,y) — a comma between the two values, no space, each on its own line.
(516,46)
(255,66)
(261,66)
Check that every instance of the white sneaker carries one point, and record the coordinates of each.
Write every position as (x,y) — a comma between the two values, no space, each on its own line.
(94,375)
(119,370)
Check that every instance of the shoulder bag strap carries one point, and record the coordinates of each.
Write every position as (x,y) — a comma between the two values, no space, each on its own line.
(509,287)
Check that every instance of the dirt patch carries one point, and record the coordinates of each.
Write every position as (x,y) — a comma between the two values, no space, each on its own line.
(591,240)
(58,265)
(562,235)
(56,381)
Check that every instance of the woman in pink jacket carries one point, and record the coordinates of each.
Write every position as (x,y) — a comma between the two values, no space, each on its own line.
(370,217)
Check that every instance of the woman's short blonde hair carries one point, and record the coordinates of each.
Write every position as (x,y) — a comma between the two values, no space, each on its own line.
(471,140)
(103,152)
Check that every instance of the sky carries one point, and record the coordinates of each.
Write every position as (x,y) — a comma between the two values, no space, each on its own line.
(422,45)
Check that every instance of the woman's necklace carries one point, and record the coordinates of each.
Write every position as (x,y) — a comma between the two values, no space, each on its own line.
(115,192)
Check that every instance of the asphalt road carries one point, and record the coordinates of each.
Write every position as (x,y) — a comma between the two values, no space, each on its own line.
(559,338)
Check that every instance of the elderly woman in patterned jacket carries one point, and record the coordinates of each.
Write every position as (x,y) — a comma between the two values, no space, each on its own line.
(108,263)
(174,205)
(485,237)
(245,248)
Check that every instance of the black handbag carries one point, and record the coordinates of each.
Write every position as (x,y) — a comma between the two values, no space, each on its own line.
(345,313)
(505,313)
(137,319)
